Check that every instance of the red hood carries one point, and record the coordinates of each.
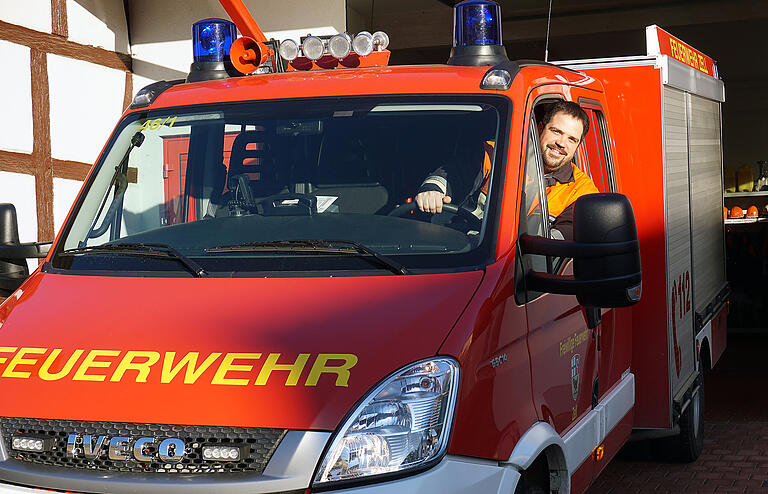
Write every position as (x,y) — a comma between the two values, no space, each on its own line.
(347,332)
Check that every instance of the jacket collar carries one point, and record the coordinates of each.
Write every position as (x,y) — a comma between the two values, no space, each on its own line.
(563,175)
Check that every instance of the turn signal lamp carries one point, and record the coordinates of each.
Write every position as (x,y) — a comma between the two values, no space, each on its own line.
(477,34)
(211,42)
(599,453)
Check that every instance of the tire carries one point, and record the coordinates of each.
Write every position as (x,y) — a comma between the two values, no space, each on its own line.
(524,487)
(686,446)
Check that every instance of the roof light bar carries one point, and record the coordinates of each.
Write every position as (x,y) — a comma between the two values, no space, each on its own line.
(477,34)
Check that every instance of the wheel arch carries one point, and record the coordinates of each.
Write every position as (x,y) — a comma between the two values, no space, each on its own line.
(541,441)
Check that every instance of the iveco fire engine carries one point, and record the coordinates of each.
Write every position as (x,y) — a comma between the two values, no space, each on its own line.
(245,297)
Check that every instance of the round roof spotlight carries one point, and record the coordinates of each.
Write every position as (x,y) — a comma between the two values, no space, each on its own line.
(363,43)
(477,34)
(339,45)
(289,50)
(380,40)
(313,47)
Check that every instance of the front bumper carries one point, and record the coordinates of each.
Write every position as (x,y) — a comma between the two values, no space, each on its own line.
(453,475)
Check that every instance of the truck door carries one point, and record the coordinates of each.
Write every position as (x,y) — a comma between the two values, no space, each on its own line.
(562,349)
(614,347)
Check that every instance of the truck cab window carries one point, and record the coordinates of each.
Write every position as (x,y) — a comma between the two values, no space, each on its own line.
(534,217)
(599,161)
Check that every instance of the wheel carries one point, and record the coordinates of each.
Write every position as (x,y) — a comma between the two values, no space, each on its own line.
(524,487)
(686,446)
(408,208)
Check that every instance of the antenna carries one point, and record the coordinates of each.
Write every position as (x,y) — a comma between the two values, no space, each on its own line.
(546,46)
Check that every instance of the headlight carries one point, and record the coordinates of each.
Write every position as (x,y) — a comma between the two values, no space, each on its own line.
(403,423)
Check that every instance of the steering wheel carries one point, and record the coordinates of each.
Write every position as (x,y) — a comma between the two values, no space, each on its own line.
(404,209)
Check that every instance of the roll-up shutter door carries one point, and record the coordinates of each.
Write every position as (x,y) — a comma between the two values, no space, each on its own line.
(678,238)
(705,160)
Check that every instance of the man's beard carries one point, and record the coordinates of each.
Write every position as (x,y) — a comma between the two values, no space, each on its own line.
(552,164)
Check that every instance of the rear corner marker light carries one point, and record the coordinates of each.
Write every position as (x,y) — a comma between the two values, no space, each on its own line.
(312,47)
(339,45)
(31,444)
(477,34)
(289,50)
(363,43)
(223,452)
(212,39)
(498,79)
(147,95)
(380,40)
(211,43)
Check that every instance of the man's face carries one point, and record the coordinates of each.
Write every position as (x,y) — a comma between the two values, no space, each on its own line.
(559,140)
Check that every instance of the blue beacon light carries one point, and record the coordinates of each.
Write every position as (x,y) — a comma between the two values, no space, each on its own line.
(211,42)
(477,34)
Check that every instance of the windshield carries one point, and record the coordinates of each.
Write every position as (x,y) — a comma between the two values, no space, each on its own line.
(292,185)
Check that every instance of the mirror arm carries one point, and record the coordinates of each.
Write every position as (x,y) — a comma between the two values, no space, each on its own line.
(36,250)
(568,285)
(531,244)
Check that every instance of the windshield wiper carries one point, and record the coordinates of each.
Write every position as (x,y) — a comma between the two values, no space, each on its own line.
(314,246)
(153,250)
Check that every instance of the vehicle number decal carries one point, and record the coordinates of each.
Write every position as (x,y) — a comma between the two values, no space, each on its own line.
(158,122)
(680,305)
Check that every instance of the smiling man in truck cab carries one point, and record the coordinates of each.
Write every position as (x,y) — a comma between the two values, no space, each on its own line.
(561,131)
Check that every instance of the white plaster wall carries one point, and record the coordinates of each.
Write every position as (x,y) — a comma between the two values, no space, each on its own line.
(34,14)
(19,190)
(64,195)
(161,32)
(15,99)
(86,103)
(98,23)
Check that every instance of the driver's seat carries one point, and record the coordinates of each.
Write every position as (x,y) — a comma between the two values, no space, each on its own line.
(253,155)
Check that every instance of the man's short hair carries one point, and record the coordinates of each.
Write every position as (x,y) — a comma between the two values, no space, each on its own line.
(569,108)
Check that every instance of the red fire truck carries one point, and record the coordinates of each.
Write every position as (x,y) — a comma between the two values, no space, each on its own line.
(245,297)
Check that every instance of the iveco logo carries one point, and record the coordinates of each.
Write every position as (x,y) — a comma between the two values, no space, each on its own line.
(121,448)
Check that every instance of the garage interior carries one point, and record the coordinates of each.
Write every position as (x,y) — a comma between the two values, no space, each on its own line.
(733,33)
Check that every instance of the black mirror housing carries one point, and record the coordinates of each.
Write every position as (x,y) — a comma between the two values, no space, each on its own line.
(13,255)
(605,219)
(605,250)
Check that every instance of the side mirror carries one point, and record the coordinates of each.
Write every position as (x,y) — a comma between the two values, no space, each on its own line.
(605,252)
(13,255)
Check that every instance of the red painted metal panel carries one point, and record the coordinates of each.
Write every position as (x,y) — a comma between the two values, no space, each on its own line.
(639,169)
(385,322)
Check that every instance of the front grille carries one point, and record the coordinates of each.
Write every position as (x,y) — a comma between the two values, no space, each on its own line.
(258,445)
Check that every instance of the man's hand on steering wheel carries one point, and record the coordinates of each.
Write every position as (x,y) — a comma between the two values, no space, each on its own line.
(432,201)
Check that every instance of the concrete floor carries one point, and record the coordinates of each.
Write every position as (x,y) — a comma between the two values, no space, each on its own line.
(735,456)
